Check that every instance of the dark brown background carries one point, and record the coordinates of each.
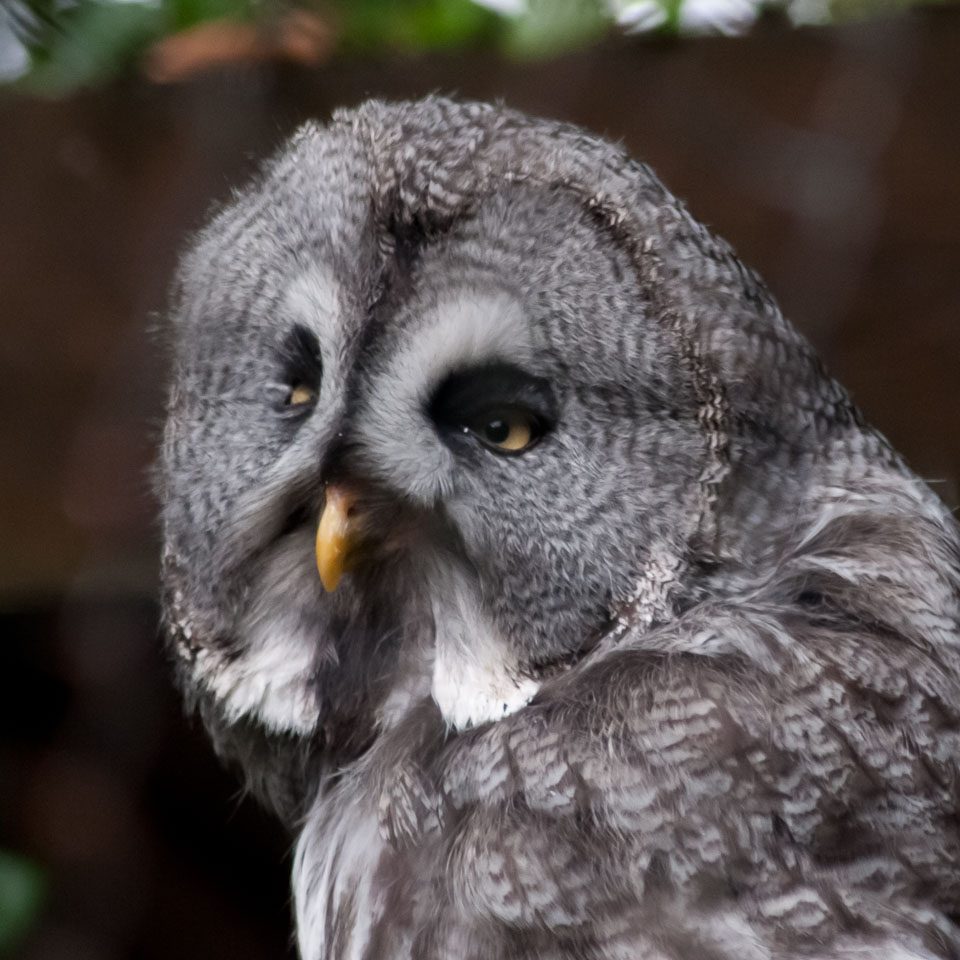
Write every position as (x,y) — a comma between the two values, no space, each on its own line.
(829,158)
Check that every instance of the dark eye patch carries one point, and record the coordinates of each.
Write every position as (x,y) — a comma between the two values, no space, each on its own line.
(471,396)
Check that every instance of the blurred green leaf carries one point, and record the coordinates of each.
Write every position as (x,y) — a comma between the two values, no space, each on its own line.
(188,13)
(550,27)
(672,10)
(23,887)
(372,25)
(91,42)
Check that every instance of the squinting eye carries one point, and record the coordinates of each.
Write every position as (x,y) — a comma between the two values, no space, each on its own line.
(507,431)
(301,394)
(299,368)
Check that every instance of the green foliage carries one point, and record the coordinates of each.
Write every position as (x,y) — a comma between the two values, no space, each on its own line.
(672,10)
(23,888)
(549,27)
(181,14)
(86,42)
(545,28)
(90,42)
(369,26)
(74,43)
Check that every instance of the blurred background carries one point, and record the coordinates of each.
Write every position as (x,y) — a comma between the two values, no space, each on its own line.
(822,139)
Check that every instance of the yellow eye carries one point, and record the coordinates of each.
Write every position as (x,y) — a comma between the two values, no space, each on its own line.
(301,394)
(507,431)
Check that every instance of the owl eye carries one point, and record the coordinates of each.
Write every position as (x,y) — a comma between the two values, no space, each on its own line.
(300,369)
(301,394)
(508,430)
(503,407)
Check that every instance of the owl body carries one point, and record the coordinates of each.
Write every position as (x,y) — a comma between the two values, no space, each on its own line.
(630,637)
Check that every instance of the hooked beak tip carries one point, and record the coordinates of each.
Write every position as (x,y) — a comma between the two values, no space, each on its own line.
(334,535)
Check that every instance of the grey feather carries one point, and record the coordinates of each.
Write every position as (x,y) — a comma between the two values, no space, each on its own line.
(680,680)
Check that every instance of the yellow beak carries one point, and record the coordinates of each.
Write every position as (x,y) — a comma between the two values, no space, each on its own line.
(334,535)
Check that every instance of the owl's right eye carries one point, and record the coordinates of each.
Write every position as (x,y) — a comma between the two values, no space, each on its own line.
(508,430)
(300,368)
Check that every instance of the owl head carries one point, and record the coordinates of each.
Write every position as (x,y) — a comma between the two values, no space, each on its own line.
(456,394)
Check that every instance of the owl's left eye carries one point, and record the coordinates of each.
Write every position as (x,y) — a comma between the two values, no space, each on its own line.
(507,430)
(502,406)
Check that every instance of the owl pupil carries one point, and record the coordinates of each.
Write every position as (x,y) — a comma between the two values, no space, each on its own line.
(497,431)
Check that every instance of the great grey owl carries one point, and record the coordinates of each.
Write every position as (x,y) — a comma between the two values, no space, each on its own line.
(533,570)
